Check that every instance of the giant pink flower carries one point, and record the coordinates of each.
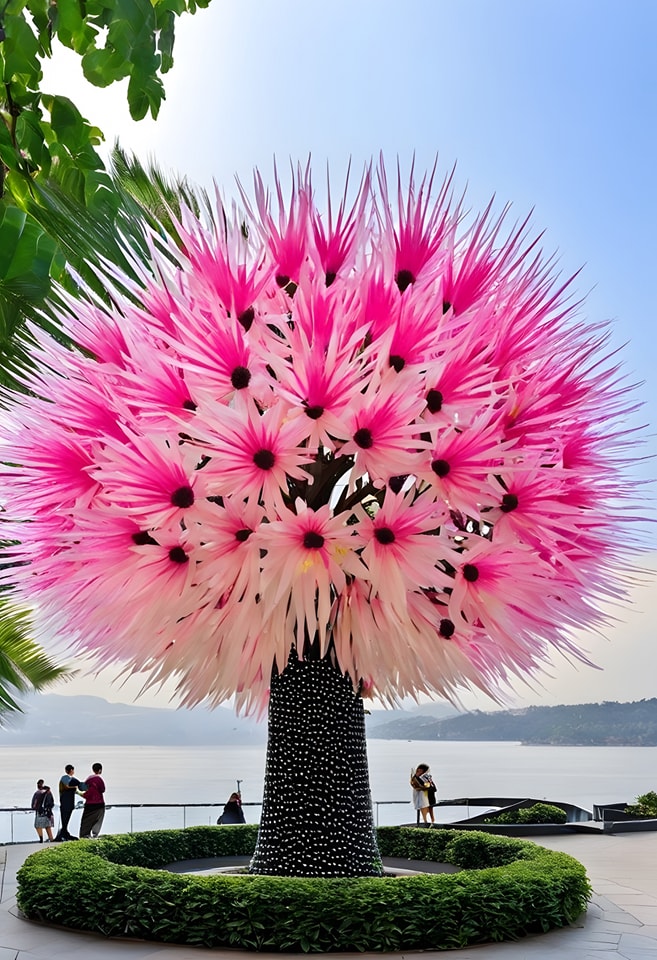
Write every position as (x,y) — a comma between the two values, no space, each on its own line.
(380,431)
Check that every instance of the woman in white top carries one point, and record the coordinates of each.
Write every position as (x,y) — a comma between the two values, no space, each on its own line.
(422,783)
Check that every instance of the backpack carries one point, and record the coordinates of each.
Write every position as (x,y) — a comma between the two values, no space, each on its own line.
(44,807)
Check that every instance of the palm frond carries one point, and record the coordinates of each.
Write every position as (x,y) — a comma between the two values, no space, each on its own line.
(24,666)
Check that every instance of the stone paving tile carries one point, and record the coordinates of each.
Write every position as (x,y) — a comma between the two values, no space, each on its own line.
(646,915)
(634,899)
(601,936)
(636,941)
(638,954)
(622,918)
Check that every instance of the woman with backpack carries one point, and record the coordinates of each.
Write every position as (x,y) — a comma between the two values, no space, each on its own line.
(42,804)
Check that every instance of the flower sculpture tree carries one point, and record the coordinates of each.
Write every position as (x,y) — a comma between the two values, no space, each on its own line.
(311,458)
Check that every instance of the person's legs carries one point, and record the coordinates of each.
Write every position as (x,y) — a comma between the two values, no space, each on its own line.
(92,820)
(39,830)
(49,832)
(86,821)
(425,814)
(98,822)
(66,814)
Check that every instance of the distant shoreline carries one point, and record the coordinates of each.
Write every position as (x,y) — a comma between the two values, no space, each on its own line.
(51,719)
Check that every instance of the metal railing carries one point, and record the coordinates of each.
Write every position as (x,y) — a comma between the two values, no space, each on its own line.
(16,823)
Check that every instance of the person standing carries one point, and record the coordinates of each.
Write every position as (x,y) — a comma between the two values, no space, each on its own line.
(43,803)
(36,794)
(35,802)
(94,803)
(233,812)
(68,785)
(422,784)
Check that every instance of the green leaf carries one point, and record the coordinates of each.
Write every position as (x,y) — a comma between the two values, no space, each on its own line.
(72,29)
(103,67)
(21,51)
(163,7)
(8,153)
(18,187)
(12,221)
(40,13)
(144,93)
(31,136)
(167,27)
(68,124)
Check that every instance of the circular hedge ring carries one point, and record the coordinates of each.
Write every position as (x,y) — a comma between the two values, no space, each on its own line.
(115,886)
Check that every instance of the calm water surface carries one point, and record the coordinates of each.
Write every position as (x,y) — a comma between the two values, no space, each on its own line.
(178,775)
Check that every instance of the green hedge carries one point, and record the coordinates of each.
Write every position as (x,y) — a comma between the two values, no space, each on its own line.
(645,805)
(538,813)
(115,886)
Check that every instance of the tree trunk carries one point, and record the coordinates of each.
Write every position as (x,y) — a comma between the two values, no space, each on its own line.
(317,809)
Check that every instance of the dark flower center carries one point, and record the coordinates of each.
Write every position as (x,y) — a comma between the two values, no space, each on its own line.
(434,401)
(243,535)
(313,540)
(314,411)
(446,306)
(282,280)
(509,502)
(142,538)
(446,628)
(363,437)
(470,572)
(330,277)
(440,468)
(264,459)
(178,555)
(240,377)
(189,405)
(396,483)
(182,497)
(404,279)
(246,318)
(384,535)
(396,362)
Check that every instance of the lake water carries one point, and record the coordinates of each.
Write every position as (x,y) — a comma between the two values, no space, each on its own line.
(202,775)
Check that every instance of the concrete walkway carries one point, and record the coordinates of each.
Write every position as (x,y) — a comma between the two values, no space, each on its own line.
(620,924)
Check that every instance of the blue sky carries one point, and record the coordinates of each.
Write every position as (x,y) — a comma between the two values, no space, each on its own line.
(549,104)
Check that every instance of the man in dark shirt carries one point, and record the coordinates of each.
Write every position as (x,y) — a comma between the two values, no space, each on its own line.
(68,785)
(94,803)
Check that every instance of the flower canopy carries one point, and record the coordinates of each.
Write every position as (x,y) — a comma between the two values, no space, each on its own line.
(380,430)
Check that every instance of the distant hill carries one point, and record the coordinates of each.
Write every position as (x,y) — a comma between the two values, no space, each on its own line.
(50,718)
(407,724)
(55,719)
(584,724)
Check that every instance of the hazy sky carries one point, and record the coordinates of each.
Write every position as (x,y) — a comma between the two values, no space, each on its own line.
(550,104)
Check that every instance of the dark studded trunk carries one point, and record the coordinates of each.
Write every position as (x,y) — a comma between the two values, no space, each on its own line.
(317,810)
